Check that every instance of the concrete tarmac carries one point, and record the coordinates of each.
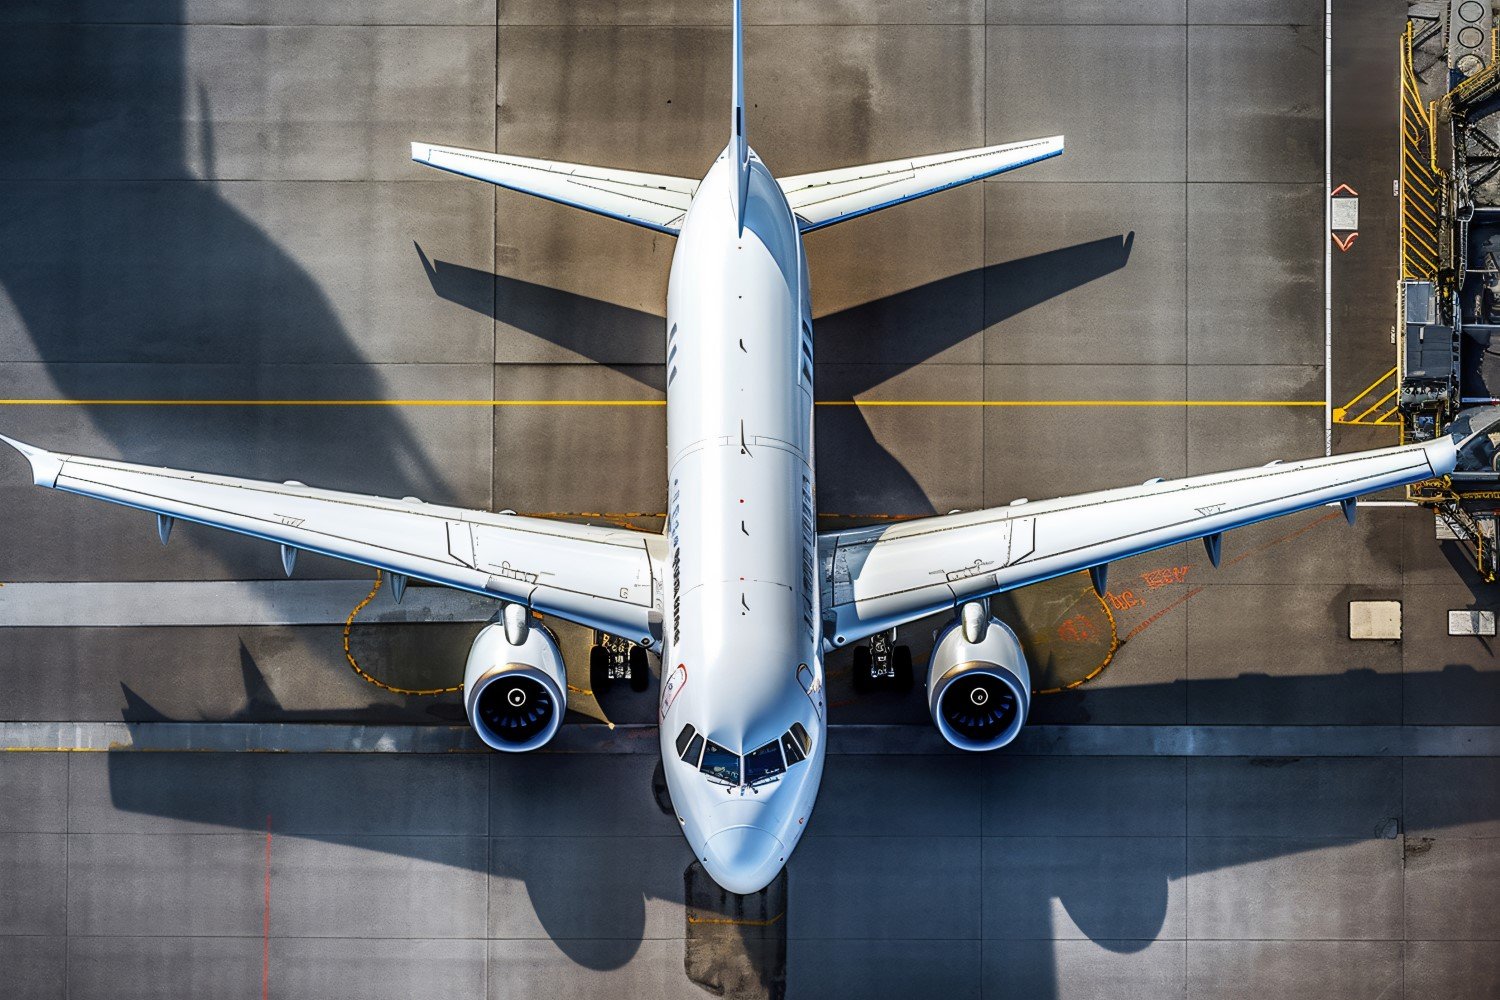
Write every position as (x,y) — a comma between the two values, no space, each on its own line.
(211,199)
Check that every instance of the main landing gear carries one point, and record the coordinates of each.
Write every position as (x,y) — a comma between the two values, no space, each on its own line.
(612,659)
(882,665)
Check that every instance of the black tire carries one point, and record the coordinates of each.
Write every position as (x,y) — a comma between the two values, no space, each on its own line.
(598,670)
(902,656)
(640,669)
(862,679)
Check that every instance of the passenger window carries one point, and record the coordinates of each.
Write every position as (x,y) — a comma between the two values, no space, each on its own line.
(793,751)
(720,763)
(800,735)
(694,750)
(763,763)
(683,738)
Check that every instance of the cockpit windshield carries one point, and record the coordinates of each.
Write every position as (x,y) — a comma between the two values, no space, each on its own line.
(758,766)
(763,763)
(721,764)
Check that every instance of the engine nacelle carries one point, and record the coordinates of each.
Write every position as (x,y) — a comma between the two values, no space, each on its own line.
(978,692)
(515,695)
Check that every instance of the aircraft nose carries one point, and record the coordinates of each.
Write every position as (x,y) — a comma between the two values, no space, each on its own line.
(743,859)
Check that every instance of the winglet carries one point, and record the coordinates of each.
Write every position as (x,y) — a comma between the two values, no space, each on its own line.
(45,466)
(738,147)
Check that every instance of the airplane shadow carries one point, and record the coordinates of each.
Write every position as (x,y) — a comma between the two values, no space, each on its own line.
(868,344)
(1116,890)
(163,287)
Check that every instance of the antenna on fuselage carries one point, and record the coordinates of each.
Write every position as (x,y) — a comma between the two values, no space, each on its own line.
(739,149)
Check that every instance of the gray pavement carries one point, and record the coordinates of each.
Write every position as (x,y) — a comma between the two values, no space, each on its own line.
(211,199)
(1007,874)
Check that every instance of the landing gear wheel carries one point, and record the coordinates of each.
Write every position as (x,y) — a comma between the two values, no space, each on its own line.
(640,669)
(862,679)
(598,670)
(902,658)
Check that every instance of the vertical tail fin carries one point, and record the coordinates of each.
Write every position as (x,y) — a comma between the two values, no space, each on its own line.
(739,149)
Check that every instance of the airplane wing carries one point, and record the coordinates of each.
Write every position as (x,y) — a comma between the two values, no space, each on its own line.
(879,577)
(830,196)
(599,577)
(655,201)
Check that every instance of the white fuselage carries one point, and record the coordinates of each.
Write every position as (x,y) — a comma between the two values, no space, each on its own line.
(741,651)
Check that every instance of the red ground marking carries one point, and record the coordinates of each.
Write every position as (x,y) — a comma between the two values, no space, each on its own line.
(1075,629)
(1284,538)
(1156,617)
(1242,556)
(1166,576)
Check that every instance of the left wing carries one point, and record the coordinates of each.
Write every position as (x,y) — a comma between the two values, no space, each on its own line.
(879,577)
(830,196)
(599,577)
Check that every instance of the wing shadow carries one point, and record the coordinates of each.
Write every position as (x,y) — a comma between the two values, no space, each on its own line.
(865,345)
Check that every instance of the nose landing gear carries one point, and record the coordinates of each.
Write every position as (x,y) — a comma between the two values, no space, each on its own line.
(882,665)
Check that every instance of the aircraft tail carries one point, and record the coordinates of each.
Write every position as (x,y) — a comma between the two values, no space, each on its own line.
(739,149)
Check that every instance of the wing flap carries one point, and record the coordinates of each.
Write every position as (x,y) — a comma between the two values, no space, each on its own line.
(896,574)
(828,196)
(600,577)
(655,201)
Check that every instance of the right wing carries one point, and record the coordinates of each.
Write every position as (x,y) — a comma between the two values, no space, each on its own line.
(879,577)
(599,577)
(830,196)
(655,201)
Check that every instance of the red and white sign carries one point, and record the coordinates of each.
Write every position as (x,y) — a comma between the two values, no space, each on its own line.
(1344,216)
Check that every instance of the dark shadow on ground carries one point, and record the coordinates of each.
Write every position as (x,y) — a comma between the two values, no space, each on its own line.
(1118,897)
(869,344)
(104,267)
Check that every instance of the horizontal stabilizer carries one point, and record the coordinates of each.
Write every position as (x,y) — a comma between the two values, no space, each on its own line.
(654,201)
(830,196)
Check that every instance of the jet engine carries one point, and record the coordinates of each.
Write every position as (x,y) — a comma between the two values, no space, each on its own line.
(515,684)
(978,684)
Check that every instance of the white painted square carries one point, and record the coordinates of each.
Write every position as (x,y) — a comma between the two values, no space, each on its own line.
(1374,619)
(1345,213)
(1471,623)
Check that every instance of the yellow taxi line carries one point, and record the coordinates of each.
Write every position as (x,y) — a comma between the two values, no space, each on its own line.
(659,402)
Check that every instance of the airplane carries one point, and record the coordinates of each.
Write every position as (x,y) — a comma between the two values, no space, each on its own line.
(741,596)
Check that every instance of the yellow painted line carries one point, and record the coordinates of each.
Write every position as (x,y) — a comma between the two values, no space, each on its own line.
(1361,394)
(1420,269)
(1421,240)
(1419,213)
(1383,400)
(1421,195)
(1423,263)
(656,402)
